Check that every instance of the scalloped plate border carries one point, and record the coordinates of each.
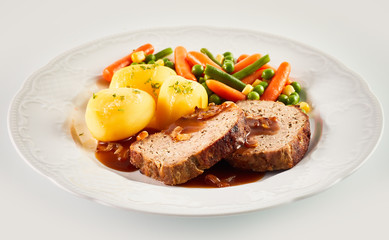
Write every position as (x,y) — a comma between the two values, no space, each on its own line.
(317,172)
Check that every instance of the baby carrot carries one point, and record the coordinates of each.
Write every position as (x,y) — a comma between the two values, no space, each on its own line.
(225,91)
(251,78)
(124,62)
(277,83)
(268,66)
(182,66)
(201,59)
(241,57)
(246,62)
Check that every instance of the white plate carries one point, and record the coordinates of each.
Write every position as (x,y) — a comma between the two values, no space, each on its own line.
(347,123)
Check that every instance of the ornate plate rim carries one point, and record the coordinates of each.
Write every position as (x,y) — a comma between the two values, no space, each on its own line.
(14,138)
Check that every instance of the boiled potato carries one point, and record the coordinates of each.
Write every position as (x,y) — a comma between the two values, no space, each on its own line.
(146,77)
(118,113)
(178,97)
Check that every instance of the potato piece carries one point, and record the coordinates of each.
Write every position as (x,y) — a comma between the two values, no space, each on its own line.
(146,77)
(115,114)
(178,97)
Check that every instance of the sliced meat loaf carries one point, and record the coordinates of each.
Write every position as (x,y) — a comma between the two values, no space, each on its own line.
(279,151)
(174,157)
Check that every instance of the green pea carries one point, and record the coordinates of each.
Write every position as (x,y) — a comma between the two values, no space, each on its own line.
(229,58)
(197,70)
(201,80)
(283,98)
(170,64)
(296,86)
(215,99)
(253,95)
(264,84)
(293,99)
(165,60)
(227,54)
(151,62)
(228,66)
(209,92)
(259,89)
(206,77)
(134,63)
(150,57)
(267,74)
(296,94)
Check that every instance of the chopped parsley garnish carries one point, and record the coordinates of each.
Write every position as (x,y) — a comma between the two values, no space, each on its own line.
(120,109)
(114,95)
(94,96)
(155,85)
(122,98)
(185,88)
(80,134)
(135,91)
(148,80)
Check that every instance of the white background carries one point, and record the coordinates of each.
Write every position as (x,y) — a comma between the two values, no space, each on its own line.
(34,32)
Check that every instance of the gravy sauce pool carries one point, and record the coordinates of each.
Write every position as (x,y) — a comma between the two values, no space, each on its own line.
(115,155)
(223,175)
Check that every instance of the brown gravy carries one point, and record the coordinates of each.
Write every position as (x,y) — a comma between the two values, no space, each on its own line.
(115,155)
(187,125)
(260,126)
(223,175)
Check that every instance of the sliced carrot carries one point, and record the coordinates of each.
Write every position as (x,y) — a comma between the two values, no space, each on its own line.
(246,62)
(277,83)
(201,59)
(124,62)
(241,57)
(225,91)
(182,66)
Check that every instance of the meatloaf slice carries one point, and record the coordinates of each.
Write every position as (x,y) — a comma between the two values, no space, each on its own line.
(179,154)
(282,150)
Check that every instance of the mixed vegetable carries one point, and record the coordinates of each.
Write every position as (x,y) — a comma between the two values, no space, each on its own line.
(223,76)
(178,81)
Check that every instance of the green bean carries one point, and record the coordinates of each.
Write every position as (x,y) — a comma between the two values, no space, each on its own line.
(209,92)
(163,53)
(209,54)
(252,67)
(219,75)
